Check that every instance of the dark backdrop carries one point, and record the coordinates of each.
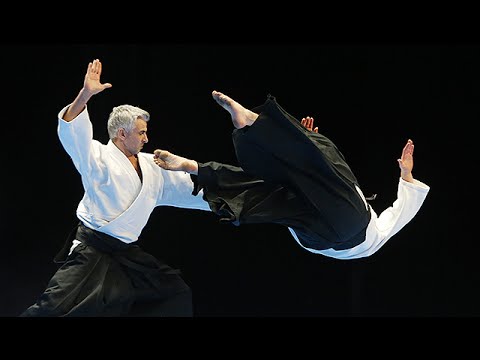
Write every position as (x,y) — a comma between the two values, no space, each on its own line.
(367,97)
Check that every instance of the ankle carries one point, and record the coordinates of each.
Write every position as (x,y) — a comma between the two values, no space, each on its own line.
(191,167)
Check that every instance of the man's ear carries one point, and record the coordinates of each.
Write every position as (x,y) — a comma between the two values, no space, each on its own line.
(121,133)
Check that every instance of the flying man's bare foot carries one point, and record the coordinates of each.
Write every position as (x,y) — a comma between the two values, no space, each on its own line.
(168,161)
(240,115)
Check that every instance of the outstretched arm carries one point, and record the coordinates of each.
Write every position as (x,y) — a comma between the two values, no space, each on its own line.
(91,86)
(406,162)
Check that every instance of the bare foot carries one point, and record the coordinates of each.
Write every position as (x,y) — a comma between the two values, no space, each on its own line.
(168,161)
(240,115)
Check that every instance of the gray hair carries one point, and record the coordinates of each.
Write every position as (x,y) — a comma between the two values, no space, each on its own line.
(124,116)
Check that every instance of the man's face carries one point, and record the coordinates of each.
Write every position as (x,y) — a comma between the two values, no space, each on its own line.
(136,138)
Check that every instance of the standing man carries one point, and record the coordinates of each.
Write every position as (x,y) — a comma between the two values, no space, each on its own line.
(104,271)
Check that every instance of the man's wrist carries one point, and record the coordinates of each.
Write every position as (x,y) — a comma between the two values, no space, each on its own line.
(407,177)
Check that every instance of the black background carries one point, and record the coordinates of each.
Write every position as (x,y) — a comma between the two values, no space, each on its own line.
(369,97)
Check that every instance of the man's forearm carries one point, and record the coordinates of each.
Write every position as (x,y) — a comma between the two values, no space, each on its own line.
(407,176)
(77,106)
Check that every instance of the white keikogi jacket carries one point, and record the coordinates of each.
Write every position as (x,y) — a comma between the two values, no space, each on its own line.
(410,197)
(116,201)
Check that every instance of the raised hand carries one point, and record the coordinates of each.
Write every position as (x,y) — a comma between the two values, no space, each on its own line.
(406,161)
(307,122)
(92,84)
